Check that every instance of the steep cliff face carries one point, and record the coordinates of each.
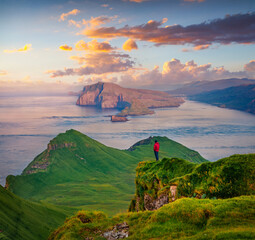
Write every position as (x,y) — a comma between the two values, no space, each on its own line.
(109,95)
(158,183)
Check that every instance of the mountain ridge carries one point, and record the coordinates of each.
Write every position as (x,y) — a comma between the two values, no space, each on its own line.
(240,98)
(82,172)
(206,86)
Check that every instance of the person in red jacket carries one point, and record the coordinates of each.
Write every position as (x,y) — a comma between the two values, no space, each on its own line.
(156,149)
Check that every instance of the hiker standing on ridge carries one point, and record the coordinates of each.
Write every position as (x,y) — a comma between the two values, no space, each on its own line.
(156,149)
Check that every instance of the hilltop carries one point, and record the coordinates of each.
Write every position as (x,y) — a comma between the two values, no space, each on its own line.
(26,220)
(135,101)
(239,98)
(78,171)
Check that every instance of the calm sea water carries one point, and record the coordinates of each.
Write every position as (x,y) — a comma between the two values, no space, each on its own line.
(28,123)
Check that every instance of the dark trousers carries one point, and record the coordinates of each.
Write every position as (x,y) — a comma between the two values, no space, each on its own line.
(156,155)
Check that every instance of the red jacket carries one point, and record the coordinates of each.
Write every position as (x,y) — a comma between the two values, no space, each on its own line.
(156,147)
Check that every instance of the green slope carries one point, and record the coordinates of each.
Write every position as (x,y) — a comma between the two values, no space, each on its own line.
(78,171)
(168,148)
(24,220)
(184,219)
(225,178)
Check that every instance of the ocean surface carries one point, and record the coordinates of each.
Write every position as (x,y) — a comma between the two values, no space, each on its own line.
(27,124)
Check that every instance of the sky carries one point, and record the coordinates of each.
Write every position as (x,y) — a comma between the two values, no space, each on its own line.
(55,46)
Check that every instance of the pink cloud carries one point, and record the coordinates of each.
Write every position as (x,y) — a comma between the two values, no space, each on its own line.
(239,28)
(250,67)
(94,46)
(175,73)
(129,45)
(65,15)
(97,63)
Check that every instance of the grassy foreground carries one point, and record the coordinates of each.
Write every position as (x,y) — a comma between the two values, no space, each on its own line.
(185,219)
(226,178)
(24,220)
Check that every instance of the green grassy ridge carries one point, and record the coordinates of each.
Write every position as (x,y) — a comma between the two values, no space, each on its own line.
(200,219)
(225,178)
(89,175)
(168,148)
(26,220)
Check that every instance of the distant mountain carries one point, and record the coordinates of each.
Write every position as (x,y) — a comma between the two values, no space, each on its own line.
(206,86)
(25,220)
(239,98)
(110,95)
(78,171)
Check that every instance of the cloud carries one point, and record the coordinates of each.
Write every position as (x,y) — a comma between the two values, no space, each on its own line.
(97,63)
(65,15)
(105,5)
(2,72)
(201,47)
(129,45)
(239,28)
(26,48)
(97,21)
(175,73)
(250,67)
(65,48)
(94,46)
(74,23)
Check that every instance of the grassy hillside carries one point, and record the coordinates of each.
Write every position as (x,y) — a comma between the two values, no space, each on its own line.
(185,219)
(24,220)
(78,171)
(225,178)
(239,98)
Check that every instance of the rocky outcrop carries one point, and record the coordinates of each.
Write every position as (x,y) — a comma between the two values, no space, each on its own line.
(116,118)
(42,164)
(109,95)
(119,231)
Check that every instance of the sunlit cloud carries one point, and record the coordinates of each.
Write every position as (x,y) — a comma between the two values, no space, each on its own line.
(129,45)
(74,23)
(201,47)
(239,28)
(65,15)
(26,48)
(97,21)
(175,73)
(105,5)
(3,73)
(66,48)
(94,46)
(96,63)
(250,67)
